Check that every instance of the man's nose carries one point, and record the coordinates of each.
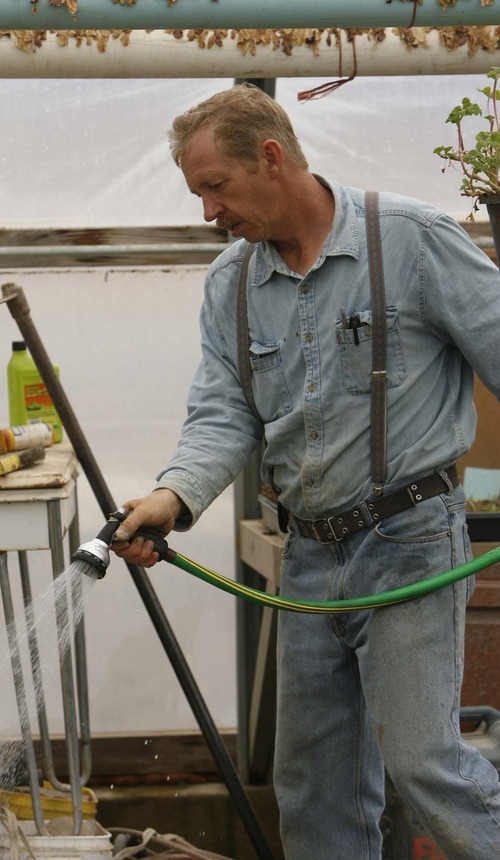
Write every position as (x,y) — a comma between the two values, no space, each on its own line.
(212,209)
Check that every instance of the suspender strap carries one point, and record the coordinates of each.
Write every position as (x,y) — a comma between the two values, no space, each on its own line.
(379,345)
(244,368)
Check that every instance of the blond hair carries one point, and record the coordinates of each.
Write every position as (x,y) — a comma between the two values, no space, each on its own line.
(242,117)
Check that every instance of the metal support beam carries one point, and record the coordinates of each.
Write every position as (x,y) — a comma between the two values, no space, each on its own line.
(223,14)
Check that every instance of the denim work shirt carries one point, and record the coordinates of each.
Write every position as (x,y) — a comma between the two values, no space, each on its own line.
(311,374)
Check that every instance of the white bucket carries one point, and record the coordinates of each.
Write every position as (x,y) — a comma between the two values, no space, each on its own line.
(94,843)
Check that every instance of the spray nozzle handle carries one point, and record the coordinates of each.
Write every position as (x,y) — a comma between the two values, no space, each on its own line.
(158,538)
(156,535)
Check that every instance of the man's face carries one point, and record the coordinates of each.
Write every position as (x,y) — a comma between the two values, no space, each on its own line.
(236,194)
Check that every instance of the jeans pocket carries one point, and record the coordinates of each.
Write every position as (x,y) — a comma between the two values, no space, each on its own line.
(427,522)
(416,544)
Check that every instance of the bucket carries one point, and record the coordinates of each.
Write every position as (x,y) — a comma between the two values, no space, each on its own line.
(54,803)
(404,837)
(94,843)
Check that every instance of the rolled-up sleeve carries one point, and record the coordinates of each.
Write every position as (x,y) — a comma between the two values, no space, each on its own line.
(220,431)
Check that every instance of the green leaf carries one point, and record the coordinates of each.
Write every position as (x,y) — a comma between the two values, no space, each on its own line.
(480,162)
(467,108)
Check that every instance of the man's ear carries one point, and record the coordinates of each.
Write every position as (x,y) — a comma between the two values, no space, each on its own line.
(272,153)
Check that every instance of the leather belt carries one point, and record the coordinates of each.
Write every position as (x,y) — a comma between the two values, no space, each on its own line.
(370,512)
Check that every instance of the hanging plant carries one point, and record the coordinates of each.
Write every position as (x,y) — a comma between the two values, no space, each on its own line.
(480,163)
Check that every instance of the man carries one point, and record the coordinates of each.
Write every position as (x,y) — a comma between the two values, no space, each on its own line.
(356,691)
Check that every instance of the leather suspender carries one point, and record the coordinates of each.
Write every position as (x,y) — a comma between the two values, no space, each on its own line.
(244,369)
(379,342)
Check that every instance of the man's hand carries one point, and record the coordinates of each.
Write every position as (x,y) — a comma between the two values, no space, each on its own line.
(160,509)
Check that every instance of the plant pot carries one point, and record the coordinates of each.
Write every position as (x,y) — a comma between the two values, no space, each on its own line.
(493,206)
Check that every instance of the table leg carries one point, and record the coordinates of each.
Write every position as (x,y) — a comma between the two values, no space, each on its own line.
(67,680)
(22,705)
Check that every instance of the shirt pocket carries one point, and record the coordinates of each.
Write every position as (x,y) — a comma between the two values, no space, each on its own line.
(271,393)
(355,347)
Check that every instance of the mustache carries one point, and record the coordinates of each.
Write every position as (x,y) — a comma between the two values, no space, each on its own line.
(225,224)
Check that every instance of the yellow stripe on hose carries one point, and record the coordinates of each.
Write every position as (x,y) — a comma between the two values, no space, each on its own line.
(387,598)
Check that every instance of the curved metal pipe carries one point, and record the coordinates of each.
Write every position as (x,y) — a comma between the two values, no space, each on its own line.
(205,14)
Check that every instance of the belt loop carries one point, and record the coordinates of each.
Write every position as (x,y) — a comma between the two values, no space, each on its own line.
(366,508)
(443,474)
(283,518)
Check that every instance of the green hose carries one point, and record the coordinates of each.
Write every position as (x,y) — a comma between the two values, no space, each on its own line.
(386,598)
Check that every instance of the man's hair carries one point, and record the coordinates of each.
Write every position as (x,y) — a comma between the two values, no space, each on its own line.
(242,117)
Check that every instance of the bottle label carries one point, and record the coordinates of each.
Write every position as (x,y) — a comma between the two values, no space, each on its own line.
(37,399)
(27,435)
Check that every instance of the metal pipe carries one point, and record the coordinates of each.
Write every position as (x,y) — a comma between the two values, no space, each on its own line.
(66,669)
(493,207)
(263,54)
(20,690)
(20,311)
(82,685)
(7,251)
(206,14)
(36,672)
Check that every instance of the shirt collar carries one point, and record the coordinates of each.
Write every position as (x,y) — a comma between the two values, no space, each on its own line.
(341,240)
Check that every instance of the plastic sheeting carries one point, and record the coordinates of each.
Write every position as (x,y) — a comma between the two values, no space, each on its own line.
(95,152)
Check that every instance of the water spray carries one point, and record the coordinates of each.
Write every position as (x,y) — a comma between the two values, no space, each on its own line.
(93,558)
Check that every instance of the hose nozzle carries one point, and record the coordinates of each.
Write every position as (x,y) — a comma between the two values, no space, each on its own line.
(94,555)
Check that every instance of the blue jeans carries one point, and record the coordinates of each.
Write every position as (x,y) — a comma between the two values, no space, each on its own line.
(362,690)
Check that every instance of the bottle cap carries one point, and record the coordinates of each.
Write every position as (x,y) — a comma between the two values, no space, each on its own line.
(18,345)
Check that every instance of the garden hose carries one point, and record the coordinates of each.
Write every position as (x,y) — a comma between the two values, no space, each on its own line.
(93,557)
(386,598)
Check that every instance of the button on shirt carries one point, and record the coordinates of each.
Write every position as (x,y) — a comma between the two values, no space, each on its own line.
(311,369)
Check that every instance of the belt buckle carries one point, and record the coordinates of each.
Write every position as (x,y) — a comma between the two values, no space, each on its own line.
(331,534)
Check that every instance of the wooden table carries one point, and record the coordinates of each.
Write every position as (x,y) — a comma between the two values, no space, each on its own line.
(39,503)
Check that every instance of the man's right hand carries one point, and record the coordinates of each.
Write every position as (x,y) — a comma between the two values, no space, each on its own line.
(159,509)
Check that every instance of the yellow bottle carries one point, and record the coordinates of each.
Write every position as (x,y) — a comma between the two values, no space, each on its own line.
(29,400)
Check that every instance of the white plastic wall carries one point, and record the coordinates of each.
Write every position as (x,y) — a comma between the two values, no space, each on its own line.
(94,153)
